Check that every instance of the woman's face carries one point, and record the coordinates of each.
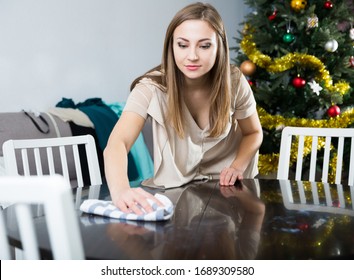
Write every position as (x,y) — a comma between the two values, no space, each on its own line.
(194,48)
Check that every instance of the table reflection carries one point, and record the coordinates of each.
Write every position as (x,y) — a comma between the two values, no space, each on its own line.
(307,220)
(257,219)
(209,222)
(317,197)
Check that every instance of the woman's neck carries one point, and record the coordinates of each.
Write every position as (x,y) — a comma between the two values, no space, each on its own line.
(197,85)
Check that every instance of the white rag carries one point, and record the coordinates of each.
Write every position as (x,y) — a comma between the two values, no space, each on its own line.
(107,209)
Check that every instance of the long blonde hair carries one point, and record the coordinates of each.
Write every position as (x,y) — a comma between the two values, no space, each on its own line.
(172,78)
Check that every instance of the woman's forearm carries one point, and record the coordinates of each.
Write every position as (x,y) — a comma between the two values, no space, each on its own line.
(116,167)
(249,146)
(119,143)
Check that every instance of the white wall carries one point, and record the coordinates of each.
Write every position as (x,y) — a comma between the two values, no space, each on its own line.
(80,49)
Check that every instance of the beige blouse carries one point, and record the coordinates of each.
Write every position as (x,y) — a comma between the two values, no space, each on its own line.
(195,157)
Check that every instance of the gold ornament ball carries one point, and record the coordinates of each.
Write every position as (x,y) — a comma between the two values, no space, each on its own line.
(248,68)
(298,5)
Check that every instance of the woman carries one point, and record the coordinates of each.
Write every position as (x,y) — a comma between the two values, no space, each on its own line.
(203,113)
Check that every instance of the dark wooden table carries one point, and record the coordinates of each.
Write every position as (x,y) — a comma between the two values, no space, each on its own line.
(258,219)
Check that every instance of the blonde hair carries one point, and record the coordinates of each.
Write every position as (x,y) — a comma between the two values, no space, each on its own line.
(172,78)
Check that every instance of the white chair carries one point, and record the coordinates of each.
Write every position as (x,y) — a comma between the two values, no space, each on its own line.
(61,218)
(311,140)
(53,156)
(49,156)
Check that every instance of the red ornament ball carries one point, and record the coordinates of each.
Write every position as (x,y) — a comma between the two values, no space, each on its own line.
(272,16)
(298,82)
(328,5)
(333,111)
(251,83)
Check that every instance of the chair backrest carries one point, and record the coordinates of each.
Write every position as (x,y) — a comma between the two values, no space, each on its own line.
(62,220)
(333,144)
(52,156)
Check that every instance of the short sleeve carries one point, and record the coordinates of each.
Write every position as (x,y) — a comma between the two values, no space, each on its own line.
(139,99)
(244,103)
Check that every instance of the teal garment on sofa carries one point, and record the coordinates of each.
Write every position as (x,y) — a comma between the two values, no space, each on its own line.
(104,119)
(139,151)
(98,112)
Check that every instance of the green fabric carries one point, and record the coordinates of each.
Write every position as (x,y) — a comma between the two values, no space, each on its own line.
(104,119)
(99,113)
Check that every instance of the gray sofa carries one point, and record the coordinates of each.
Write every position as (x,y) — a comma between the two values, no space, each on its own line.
(24,125)
(27,125)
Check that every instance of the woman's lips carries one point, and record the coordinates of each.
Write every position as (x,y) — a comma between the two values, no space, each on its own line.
(192,67)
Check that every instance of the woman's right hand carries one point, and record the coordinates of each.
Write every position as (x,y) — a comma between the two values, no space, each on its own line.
(129,199)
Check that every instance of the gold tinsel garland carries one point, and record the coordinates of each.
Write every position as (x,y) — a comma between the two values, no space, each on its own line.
(268,163)
(270,122)
(289,61)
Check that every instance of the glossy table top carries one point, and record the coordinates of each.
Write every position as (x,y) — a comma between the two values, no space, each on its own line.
(258,219)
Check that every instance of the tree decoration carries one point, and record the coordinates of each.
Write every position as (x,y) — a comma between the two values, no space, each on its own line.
(298,5)
(351,33)
(289,61)
(251,83)
(298,82)
(331,45)
(351,61)
(333,111)
(270,121)
(288,37)
(316,88)
(328,5)
(248,68)
(312,22)
(273,15)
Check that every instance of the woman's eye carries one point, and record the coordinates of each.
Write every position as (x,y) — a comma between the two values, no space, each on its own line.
(182,46)
(206,46)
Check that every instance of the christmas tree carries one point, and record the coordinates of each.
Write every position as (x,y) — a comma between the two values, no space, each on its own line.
(298,57)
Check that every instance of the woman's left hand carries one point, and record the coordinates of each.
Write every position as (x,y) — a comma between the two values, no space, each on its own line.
(229,175)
